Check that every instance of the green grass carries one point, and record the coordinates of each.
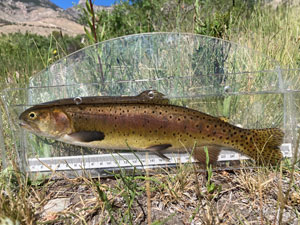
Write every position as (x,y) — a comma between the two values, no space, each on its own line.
(246,195)
(22,55)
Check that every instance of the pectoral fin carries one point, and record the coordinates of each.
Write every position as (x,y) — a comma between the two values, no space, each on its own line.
(86,136)
(213,154)
(157,149)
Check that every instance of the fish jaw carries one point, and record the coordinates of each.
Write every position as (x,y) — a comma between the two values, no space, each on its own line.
(30,127)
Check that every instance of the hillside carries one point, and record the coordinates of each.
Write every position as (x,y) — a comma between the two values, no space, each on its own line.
(38,16)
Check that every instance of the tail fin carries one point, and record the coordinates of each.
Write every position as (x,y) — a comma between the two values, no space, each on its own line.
(265,145)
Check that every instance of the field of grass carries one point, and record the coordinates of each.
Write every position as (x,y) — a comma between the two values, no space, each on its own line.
(187,194)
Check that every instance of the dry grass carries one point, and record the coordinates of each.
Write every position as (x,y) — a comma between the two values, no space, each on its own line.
(247,196)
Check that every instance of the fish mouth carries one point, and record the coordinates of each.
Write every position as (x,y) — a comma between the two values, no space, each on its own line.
(25,125)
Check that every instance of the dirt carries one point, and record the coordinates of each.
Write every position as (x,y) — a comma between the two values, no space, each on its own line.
(178,197)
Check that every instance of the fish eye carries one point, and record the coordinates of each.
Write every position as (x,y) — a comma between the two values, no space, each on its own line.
(32,115)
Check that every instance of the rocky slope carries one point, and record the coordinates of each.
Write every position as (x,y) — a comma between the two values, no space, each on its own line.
(38,16)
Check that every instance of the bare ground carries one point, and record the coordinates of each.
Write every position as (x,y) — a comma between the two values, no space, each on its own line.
(44,27)
(181,196)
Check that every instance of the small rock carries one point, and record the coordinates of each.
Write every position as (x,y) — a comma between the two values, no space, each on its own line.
(56,205)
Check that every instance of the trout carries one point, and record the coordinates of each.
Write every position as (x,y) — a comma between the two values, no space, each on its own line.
(148,122)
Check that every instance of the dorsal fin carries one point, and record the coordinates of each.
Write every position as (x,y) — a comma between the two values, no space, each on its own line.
(152,96)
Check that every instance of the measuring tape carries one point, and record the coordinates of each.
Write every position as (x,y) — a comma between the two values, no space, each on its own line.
(116,161)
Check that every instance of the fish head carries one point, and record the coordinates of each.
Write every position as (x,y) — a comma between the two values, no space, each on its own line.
(48,122)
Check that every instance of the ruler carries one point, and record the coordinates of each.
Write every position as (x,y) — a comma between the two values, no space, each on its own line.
(116,161)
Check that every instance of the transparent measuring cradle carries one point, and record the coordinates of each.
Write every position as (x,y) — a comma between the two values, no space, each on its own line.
(212,76)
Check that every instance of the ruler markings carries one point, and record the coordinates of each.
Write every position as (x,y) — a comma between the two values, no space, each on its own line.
(123,160)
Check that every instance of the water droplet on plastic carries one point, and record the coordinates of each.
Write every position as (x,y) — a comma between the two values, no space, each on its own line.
(78,100)
(151,94)
(226,89)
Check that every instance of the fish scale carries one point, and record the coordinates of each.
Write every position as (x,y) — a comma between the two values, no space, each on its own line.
(151,125)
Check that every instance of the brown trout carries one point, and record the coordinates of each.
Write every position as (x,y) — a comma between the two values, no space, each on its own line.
(148,122)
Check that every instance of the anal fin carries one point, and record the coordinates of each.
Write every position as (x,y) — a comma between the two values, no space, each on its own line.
(213,153)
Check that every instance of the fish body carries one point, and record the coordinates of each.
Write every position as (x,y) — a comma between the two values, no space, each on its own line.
(153,126)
